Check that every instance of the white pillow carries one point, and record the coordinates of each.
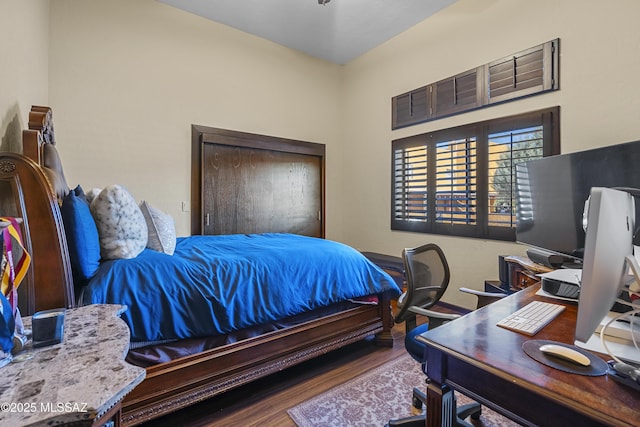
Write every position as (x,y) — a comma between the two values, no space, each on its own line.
(121,225)
(162,229)
(92,194)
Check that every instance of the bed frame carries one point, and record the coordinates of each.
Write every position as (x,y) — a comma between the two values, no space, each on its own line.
(31,186)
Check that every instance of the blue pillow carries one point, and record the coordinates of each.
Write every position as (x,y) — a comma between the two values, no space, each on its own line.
(82,236)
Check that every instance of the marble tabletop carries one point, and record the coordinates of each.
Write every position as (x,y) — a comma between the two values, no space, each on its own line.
(79,379)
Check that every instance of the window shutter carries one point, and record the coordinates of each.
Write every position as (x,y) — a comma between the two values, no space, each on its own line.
(456,168)
(410,183)
(525,73)
(461,181)
(409,108)
(524,203)
(457,94)
(506,150)
(529,72)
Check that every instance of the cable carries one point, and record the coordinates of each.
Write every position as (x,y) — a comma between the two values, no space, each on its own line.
(631,313)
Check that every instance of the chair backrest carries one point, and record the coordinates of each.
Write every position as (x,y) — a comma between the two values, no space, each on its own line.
(427,274)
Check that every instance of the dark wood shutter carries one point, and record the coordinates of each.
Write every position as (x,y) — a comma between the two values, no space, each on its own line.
(456,168)
(529,72)
(457,94)
(410,108)
(506,150)
(409,181)
(525,73)
(461,181)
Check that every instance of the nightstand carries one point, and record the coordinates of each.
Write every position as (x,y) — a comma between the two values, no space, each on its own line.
(81,381)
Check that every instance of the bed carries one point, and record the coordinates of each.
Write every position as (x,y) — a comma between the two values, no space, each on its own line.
(191,363)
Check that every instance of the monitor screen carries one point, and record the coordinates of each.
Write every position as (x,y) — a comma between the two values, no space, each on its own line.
(610,226)
(551,192)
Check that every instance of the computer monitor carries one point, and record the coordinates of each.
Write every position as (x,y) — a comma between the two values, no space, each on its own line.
(608,255)
(551,191)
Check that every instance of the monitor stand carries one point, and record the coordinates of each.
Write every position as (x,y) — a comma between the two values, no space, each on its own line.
(622,348)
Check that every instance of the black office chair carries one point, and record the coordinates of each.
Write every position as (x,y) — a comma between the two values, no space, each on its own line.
(427,274)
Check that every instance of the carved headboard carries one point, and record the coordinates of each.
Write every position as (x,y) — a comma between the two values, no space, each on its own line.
(27,192)
(39,144)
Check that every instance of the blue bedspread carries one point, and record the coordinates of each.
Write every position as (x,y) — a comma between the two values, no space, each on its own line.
(216,284)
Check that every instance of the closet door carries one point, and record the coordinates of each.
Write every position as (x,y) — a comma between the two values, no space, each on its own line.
(252,190)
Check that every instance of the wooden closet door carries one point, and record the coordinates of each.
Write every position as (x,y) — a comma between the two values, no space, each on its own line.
(249,190)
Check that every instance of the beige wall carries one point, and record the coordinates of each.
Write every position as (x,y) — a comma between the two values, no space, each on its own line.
(599,99)
(127,79)
(24,68)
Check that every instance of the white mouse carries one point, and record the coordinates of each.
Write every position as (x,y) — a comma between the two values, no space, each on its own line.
(565,353)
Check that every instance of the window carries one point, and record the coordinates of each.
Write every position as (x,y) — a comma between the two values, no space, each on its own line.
(455,191)
(456,94)
(410,107)
(461,181)
(529,72)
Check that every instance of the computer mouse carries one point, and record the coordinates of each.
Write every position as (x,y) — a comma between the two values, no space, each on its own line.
(565,353)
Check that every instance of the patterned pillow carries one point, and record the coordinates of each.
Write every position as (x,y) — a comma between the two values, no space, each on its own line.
(121,225)
(91,194)
(162,229)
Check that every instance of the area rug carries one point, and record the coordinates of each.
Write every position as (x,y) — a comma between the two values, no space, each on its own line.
(375,398)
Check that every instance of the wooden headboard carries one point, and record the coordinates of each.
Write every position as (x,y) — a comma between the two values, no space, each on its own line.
(27,185)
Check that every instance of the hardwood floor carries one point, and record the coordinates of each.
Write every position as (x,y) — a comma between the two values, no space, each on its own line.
(265,402)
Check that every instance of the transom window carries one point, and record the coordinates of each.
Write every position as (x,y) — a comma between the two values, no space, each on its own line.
(461,181)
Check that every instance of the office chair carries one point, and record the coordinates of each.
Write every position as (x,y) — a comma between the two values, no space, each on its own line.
(427,275)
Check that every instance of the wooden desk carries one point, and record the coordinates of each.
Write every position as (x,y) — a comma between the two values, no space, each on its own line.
(487,363)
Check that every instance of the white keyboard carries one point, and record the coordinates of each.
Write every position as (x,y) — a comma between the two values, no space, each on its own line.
(532,317)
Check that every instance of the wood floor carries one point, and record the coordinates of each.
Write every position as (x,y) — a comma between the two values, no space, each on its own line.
(265,402)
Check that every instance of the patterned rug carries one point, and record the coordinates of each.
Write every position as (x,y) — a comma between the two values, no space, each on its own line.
(375,398)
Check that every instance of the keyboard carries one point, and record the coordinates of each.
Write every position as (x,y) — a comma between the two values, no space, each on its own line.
(532,317)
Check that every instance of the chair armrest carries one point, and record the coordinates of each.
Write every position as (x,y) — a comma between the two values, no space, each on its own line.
(484,298)
(495,295)
(435,314)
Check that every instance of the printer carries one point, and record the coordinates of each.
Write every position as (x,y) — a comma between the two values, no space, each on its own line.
(562,283)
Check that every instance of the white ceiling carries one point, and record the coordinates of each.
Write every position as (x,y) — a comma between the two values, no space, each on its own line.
(338,31)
